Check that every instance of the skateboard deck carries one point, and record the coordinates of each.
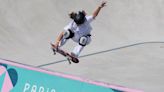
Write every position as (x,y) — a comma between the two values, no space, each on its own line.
(65,54)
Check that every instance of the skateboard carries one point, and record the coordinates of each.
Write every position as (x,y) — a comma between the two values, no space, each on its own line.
(65,54)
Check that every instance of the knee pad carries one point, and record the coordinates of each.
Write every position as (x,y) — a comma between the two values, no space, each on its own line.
(84,40)
(68,34)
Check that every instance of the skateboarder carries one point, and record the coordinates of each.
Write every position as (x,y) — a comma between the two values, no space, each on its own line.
(79,30)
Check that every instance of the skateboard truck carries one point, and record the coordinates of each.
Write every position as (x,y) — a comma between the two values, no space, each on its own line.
(54,50)
(69,59)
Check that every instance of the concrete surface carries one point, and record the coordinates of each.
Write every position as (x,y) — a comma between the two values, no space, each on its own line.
(127,39)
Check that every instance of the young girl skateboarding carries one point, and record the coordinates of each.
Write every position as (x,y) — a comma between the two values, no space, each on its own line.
(79,30)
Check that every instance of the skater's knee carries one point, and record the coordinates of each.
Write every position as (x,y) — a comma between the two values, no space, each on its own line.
(85,40)
(68,34)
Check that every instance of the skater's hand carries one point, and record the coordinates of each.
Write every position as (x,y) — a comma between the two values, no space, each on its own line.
(57,44)
(96,12)
(103,4)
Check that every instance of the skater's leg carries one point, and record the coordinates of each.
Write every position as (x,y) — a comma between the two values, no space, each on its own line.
(77,50)
(82,43)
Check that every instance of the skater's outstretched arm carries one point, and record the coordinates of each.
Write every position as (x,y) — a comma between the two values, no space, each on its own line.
(96,12)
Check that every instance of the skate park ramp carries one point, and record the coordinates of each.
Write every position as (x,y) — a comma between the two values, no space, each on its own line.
(127,45)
